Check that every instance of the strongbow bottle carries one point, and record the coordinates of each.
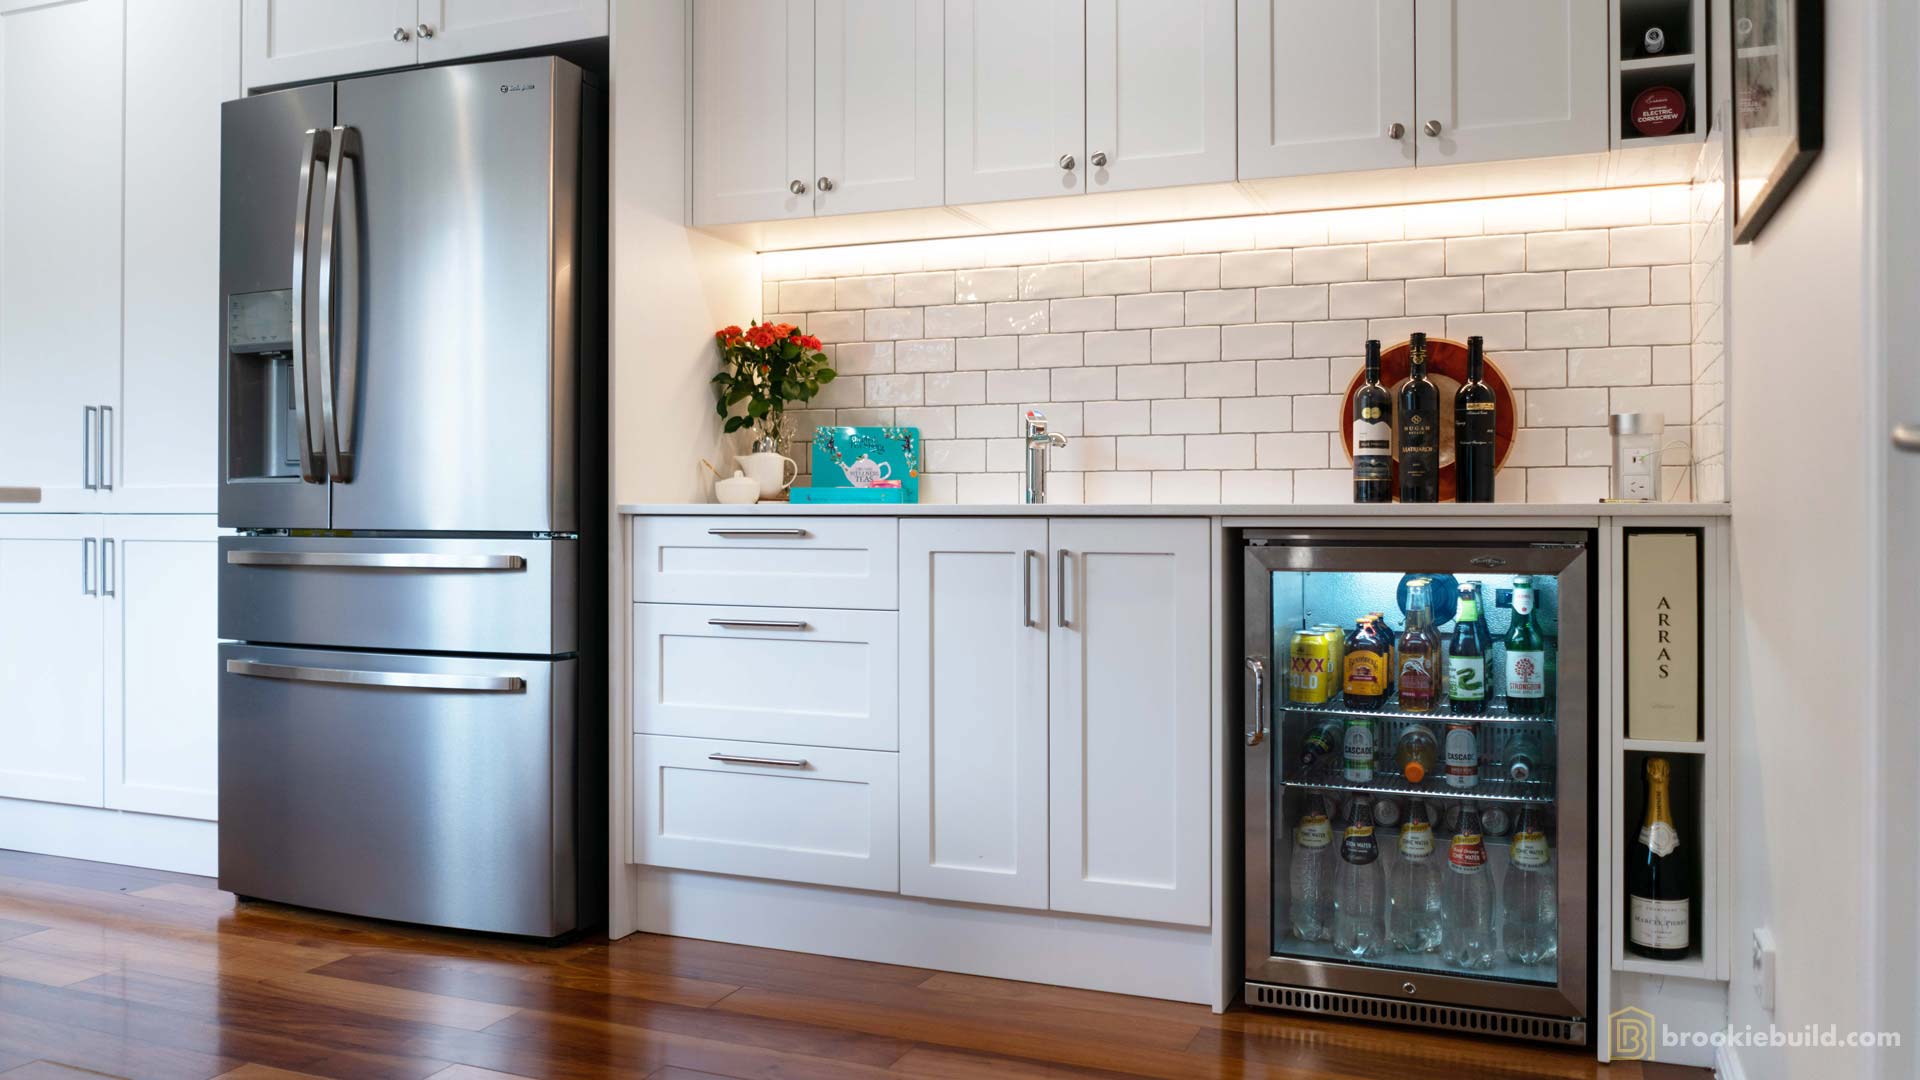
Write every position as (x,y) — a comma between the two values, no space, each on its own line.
(1659,896)
(1372,435)
(1530,909)
(1360,895)
(1469,922)
(1414,902)
(1466,661)
(1310,892)
(1526,663)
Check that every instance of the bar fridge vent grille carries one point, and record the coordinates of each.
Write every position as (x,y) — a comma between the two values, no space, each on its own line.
(1450,1017)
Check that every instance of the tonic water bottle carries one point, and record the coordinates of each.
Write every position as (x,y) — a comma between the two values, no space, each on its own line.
(1468,941)
(1360,888)
(1413,912)
(1530,910)
(1310,885)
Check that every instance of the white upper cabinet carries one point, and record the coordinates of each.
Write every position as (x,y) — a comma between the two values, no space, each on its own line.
(451,29)
(1160,93)
(877,100)
(183,60)
(1325,87)
(1016,99)
(973,710)
(51,664)
(297,40)
(1505,79)
(61,94)
(753,75)
(1130,719)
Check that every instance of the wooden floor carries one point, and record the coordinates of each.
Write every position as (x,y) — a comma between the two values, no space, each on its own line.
(140,973)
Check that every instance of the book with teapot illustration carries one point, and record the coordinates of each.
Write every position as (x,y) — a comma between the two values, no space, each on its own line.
(864,464)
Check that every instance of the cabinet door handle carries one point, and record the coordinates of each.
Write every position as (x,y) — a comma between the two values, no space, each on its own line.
(88,414)
(1256,729)
(1433,128)
(1067,162)
(425,31)
(400,34)
(1906,438)
(1396,130)
(798,187)
(796,533)
(758,624)
(87,587)
(106,568)
(745,759)
(1026,587)
(106,448)
(1060,588)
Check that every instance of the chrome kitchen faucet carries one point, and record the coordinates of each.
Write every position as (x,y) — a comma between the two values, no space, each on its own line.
(1039,441)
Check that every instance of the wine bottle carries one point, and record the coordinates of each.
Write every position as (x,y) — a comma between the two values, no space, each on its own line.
(1473,423)
(1659,896)
(1418,416)
(1372,435)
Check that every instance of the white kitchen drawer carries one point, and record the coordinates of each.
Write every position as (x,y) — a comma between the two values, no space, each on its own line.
(766,561)
(825,816)
(796,675)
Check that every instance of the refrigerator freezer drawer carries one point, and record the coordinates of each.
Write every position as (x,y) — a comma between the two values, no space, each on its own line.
(423,595)
(415,788)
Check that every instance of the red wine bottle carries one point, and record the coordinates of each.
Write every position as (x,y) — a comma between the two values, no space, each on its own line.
(1474,416)
(1372,435)
(1419,428)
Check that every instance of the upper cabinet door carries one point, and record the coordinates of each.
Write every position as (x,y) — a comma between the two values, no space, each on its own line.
(1160,93)
(973,710)
(183,60)
(1326,87)
(285,41)
(877,105)
(1130,719)
(1511,79)
(753,71)
(1016,99)
(450,29)
(60,213)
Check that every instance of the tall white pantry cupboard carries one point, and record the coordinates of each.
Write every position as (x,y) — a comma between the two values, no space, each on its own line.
(109,269)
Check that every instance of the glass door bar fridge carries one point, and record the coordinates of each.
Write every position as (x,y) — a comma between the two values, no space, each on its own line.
(1481,920)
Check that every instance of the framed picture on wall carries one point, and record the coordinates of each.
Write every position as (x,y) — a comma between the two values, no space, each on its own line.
(1778,83)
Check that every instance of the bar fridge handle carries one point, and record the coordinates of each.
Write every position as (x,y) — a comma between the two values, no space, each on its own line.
(1256,728)
(303,416)
(340,285)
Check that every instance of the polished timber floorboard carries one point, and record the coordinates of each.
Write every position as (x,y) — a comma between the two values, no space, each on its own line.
(140,973)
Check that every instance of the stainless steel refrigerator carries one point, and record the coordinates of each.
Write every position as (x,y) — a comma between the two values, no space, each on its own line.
(412,449)
(1311,747)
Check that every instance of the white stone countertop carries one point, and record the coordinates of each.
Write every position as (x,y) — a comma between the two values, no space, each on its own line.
(1427,512)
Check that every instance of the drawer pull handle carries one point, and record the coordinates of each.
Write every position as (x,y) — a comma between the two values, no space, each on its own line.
(759,624)
(757,532)
(743,759)
(376,561)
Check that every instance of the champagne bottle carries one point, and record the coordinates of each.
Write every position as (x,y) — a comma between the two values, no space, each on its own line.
(1418,416)
(1473,431)
(1372,435)
(1659,896)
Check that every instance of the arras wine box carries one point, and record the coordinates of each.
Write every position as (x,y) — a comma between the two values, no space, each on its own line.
(1663,643)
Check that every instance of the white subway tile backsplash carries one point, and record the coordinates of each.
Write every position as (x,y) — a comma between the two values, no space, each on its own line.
(1288,378)
(954,455)
(1050,350)
(873,291)
(1186,488)
(832,327)
(986,421)
(1365,224)
(1291,303)
(1567,250)
(1671,285)
(1565,485)
(1017,386)
(1180,273)
(1501,330)
(892,324)
(1566,408)
(1233,378)
(934,422)
(1119,488)
(1149,310)
(1214,306)
(1087,453)
(1290,231)
(1313,266)
(1444,296)
(1650,244)
(863,357)
(1118,418)
(1366,299)
(1607,288)
(1537,448)
(923,289)
(1525,214)
(1320,412)
(923,354)
(1256,487)
(1186,345)
(1083,384)
(1432,221)
(1620,366)
(1526,292)
(1017,317)
(1673,402)
(1186,416)
(957,388)
(1571,329)
(1219,451)
(957,320)
(1486,255)
(1049,281)
(1256,341)
(896,390)
(1150,451)
(1388,331)
(1601,209)
(1118,347)
(990,488)
(1668,325)
(1339,338)
(1256,414)
(1526,368)
(1292,450)
(1152,381)
(1249,269)
(1114,277)
(983,353)
(1589,446)
(986,285)
(806,295)
(1081,313)
(1406,259)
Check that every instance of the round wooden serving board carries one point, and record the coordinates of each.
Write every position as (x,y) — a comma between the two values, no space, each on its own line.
(1447,367)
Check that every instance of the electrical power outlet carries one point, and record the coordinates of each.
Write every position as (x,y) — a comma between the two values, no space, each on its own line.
(1764,961)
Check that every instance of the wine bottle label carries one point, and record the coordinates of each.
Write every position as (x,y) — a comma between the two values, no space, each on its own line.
(1480,406)
(1372,449)
(1416,840)
(1529,850)
(1314,831)
(1366,674)
(1467,854)
(1526,669)
(1359,846)
(1659,924)
(1467,678)
(1661,838)
(1462,751)
(1359,752)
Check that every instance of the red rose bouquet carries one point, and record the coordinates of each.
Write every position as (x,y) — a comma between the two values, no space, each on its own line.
(767,366)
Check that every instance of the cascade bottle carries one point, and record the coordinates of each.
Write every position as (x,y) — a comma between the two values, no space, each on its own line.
(1659,896)
(1526,663)
(1372,435)
(1529,905)
(1357,750)
(1309,882)
(1414,900)
(1468,937)
(1420,672)
(1360,888)
(1467,659)
(1462,754)
(1417,417)
(1473,424)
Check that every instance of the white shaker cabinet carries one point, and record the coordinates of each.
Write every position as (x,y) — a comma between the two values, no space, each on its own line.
(1130,641)
(61,95)
(289,41)
(1502,79)
(158,581)
(452,29)
(753,73)
(1160,93)
(1325,87)
(1016,99)
(878,100)
(52,670)
(973,710)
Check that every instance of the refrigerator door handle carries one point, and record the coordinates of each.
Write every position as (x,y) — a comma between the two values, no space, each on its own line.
(317,140)
(1256,730)
(376,561)
(340,289)
(404,680)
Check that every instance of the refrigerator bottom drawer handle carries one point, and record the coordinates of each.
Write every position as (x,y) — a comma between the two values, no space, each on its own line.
(373,561)
(403,680)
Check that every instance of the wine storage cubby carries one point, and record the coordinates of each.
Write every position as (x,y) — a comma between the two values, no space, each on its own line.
(1658,66)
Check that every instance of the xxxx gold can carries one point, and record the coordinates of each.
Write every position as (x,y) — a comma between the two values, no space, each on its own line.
(1337,654)
(1309,671)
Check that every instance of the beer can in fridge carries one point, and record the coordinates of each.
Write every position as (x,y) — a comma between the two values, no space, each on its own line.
(1336,656)
(1309,679)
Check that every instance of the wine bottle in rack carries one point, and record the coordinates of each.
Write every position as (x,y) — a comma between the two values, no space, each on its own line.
(1475,415)
(1372,435)
(1659,894)
(1418,420)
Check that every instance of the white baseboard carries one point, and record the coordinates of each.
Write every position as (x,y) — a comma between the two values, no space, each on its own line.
(1726,1064)
(1145,959)
(183,845)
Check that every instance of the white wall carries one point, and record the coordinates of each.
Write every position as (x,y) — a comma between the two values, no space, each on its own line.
(1804,582)
(672,287)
